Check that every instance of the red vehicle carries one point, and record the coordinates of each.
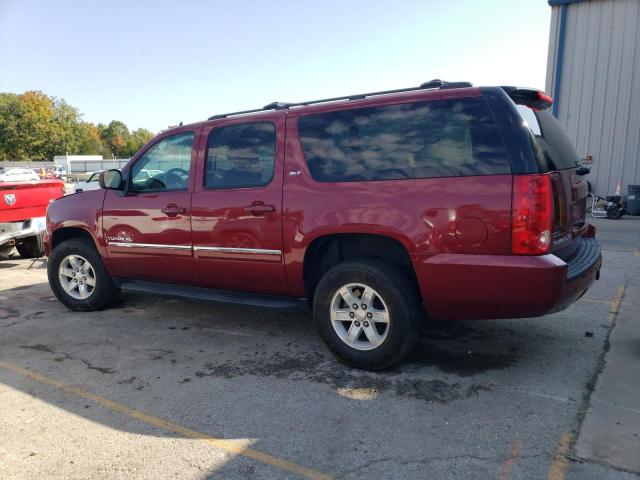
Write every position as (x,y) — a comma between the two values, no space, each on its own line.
(377,209)
(23,206)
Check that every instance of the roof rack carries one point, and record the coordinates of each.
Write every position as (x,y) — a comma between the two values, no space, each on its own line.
(432,84)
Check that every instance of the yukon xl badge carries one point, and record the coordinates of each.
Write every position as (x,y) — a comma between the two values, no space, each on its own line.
(10,198)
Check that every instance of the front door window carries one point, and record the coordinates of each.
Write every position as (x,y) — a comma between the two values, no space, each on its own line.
(165,166)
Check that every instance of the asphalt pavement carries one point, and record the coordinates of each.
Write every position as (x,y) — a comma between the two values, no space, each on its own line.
(159,388)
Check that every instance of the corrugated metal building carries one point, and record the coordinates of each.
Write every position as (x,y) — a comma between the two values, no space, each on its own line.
(593,74)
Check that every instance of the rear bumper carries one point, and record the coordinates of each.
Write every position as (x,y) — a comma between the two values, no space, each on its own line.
(17,230)
(456,286)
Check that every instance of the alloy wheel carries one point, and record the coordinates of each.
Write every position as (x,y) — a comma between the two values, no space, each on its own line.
(77,277)
(359,316)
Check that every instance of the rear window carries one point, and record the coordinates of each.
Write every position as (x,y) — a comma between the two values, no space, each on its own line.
(241,156)
(556,148)
(439,138)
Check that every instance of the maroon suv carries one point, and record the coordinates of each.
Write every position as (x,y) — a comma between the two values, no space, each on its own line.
(446,200)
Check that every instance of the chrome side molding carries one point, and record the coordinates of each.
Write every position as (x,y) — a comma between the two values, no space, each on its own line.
(259,251)
(149,245)
(254,251)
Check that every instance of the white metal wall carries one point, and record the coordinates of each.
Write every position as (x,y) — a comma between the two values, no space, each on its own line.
(599,98)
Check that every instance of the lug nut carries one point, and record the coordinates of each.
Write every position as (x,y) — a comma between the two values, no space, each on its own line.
(355,306)
(366,324)
(351,314)
(364,307)
(357,323)
(369,315)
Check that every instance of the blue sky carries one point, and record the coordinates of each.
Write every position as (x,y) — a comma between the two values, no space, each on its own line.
(156,63)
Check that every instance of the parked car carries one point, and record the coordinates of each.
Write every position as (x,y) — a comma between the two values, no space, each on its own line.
(18,175)
(379,210)
(22,215)
(55,171)
(91,183)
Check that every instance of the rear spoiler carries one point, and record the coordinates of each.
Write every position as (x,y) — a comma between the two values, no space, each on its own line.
(530,97)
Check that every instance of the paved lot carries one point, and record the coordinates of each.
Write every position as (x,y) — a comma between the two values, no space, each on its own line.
(159,388)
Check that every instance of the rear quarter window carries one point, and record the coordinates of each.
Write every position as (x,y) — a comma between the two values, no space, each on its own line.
(555,147)
(438,138)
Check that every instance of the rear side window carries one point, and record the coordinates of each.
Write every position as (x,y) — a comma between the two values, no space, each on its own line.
(241,156)
(556,148)
(439,138)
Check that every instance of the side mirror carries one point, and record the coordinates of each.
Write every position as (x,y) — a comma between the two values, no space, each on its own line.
(111,179)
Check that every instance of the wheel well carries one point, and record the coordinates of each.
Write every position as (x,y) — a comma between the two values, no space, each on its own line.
(325,252)
(68,233)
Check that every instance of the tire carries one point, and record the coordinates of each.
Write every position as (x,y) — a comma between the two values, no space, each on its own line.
(396,295)
(103,292)
(614,213)
(31,247)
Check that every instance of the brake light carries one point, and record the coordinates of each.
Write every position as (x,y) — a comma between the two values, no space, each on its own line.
(529,97)
(531,214)
(545,98)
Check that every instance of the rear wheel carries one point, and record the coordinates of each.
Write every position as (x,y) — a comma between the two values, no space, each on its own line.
(31,247)
(367,313)
(614,213)
(78,277)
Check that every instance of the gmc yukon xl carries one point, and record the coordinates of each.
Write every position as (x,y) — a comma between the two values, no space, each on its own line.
(379,210)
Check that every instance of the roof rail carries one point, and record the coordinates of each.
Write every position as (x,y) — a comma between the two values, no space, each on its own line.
(432,84)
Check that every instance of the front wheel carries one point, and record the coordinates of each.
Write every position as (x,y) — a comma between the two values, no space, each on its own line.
(367,313)
(78,277)
(31,247)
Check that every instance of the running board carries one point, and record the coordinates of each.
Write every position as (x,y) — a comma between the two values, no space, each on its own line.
(211,295)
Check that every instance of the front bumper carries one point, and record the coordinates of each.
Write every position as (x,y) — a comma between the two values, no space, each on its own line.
(17,230)
(460,286)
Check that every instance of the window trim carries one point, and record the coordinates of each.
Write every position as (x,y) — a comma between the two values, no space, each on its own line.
(207,188)
(129,183)
(390,104)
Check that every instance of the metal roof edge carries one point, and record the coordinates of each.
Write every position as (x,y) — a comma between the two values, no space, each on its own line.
(556,3)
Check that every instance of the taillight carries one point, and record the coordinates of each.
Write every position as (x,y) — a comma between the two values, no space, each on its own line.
(531,214)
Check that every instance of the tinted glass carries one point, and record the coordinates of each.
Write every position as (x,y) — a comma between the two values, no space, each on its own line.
(530,119)
(240,156)
(165,166)
(556,148)
(439,138)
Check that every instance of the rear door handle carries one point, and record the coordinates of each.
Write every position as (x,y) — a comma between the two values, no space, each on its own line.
(172,210)
(259,208)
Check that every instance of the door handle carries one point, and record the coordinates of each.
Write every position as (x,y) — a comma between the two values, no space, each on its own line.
(172,210)
(259,208)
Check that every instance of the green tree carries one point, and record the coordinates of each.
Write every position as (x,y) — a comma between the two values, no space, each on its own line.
(67,125)
(90,141)
(34,126)
(9,112)
(116,135)
(137,139)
